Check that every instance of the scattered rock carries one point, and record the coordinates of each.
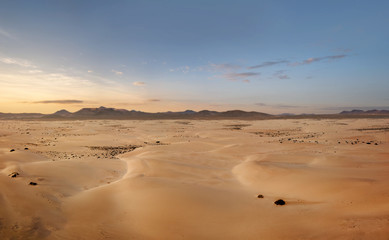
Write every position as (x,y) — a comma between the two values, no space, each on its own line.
(33,183)
(13,175)
(279,202)
(368,143)
(260,196)
(111,151)
(12,150)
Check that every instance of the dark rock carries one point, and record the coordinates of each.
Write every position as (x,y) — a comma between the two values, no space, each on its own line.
(33,183)
(12,150)
(158,142)
(260,196)
(26,148)
(13,175)
(368,143)
(280,202)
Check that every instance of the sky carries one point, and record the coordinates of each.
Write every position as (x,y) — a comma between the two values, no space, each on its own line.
(268,56)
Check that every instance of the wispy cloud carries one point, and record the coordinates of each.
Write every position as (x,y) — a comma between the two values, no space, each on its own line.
(34,71)
(183,69)
(139,84)
(318,59)
(343,50)
(6,34)
(239,76)
(277,105)
(117,72)
(17,61)
(281,74)
(211,67)
(224,67)
(154,100)
(33,84)
(268,64)
(71,101)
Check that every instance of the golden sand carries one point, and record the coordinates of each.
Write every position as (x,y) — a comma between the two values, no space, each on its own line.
(177,179)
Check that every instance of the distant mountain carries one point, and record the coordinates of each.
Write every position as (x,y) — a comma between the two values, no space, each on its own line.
(207,113)
(187,112)
(101,111)
(114,113)
(240,113)
(287,114)
(369,112)
(21,115)
(62,113)
(377,111)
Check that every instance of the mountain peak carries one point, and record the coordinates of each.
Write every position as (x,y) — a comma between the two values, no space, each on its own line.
(62,112)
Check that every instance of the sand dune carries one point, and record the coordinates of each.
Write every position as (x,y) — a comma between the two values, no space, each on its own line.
(193,179)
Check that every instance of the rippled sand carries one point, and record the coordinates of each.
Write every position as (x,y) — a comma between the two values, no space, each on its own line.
(195,179)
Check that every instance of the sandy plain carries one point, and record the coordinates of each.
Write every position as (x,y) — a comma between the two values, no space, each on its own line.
(193,179)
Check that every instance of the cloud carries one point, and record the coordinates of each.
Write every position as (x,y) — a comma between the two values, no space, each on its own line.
(277,105)
(268,64)
(6,34)
(183,69)
(239,76)
(343,50)
(90,71)
(16,61)
(35,71)
(224,67)
(31,84)
(117,72)
(154,100)
(72,101)
(139,84)
(246,81)
(318,59)
(281,75)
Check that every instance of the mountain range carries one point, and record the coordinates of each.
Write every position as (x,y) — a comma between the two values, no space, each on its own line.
(371,112)
(114,113)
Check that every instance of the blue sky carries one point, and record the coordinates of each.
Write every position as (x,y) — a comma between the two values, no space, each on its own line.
(270,56)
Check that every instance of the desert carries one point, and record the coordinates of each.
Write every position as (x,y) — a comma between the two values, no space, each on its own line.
(194,179)
(194,120)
